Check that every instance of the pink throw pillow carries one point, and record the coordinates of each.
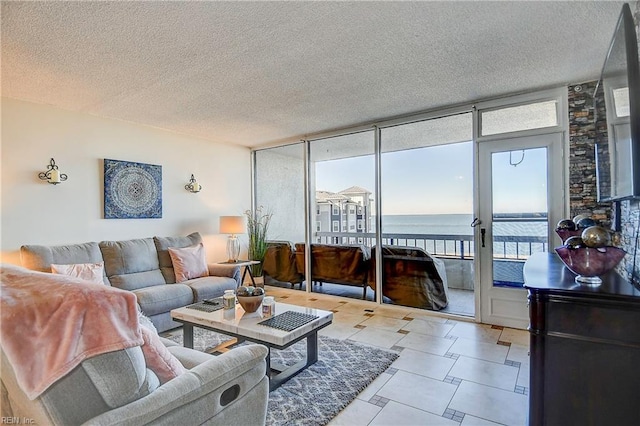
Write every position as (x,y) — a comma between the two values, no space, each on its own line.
(87,271)
(189,262)
(158,358)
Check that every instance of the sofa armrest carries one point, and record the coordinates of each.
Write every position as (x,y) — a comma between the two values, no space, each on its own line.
(167,342)
(231,271)
(233,381)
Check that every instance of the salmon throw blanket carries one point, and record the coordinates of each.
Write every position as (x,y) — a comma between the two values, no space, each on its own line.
(51,323)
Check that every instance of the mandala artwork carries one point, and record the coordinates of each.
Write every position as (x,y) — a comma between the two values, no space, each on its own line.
(132,190)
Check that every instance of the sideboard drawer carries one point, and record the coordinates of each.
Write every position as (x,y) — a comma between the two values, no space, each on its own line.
(595,321)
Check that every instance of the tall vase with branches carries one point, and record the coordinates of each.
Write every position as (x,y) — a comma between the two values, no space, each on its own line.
(257,227)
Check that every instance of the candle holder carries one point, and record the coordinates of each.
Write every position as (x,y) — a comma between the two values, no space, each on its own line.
(193,186)
(52,175)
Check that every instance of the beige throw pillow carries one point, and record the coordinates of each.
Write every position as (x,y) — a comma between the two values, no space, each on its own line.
(92,272)
(189,262)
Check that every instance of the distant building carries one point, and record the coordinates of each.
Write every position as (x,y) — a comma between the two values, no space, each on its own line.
(346,211)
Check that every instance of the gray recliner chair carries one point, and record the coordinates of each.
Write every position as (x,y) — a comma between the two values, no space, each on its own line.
(117,388)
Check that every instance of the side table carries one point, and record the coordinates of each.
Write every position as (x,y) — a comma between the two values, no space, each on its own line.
(247,268)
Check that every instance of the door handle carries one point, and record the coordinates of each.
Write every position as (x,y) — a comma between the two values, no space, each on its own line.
(483,232)
(475,222)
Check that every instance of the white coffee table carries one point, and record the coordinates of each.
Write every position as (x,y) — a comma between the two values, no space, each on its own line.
(237,323)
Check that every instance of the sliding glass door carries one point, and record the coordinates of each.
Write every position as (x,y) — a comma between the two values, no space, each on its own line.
(412,211)
(427,209)
(342,187)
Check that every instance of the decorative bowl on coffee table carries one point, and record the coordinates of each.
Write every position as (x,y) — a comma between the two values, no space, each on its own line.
(589,263)
(250,298)
(250,303)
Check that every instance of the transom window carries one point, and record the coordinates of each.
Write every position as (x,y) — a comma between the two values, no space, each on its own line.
(517,118)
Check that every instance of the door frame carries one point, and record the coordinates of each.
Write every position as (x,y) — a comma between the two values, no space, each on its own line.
(557,179)
(510,309)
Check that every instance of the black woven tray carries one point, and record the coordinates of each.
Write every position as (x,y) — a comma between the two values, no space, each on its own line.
(289,320)
(212,306)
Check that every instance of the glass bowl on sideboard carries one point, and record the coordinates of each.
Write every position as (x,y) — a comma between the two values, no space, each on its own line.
(589,263)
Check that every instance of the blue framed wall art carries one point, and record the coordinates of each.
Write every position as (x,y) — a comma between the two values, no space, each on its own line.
(132,190)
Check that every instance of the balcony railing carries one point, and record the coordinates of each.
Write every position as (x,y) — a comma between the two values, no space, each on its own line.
(441,245)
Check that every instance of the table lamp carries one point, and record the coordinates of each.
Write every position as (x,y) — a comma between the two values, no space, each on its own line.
(232,225)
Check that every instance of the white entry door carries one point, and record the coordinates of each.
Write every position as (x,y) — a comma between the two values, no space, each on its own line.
(520,201)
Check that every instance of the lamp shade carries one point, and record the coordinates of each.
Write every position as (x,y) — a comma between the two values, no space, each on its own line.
(232,225)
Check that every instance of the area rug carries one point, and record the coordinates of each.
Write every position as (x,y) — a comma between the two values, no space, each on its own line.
(318,393)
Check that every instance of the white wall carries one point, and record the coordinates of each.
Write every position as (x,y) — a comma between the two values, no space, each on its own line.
(36,212)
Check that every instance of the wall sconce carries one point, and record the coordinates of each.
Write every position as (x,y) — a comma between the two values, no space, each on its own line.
(232,225)
(193,185)
(52,175)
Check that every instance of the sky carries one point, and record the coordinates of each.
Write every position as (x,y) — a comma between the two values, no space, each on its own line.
(439,179)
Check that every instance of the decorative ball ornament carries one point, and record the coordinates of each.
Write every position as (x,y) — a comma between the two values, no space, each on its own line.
(574,243)
(596,236)
(577,218)
(566,224)
(585,223)
(616,239)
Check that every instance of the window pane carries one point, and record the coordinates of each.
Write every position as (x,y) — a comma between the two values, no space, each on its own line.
(522,117)
(427,206)
(281,171)
(519,205)
(438,131)
(342,183)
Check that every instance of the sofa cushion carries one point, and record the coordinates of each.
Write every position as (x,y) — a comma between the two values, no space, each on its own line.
(210,287)
(129,256)
(189,262)
(40,258)
(120,377)
(162,247)
(160,299)
(138,280)
(92,272)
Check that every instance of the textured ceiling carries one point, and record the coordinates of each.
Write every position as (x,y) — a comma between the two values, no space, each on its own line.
(256,73)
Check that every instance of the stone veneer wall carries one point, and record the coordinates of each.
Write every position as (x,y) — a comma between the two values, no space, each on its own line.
(582,177)
(583,193)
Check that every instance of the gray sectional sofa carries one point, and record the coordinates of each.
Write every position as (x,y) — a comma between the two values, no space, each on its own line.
(142,266)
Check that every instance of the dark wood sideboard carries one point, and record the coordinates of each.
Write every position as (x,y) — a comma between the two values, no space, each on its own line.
(585,347)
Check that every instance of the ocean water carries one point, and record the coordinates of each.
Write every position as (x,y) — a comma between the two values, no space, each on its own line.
(460,224)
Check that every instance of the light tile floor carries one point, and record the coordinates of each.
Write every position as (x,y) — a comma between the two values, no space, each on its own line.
(449,372)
